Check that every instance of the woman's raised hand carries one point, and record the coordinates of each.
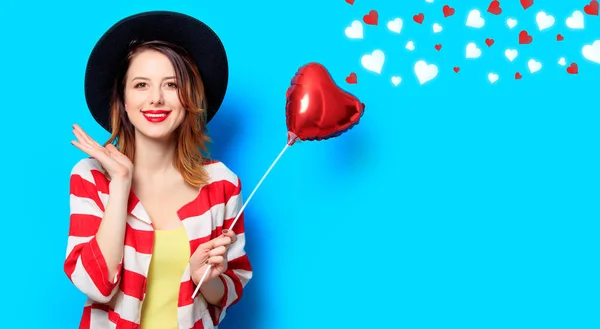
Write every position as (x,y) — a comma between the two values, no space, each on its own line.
(114,162)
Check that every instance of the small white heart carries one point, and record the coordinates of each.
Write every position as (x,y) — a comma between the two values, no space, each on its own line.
(437,28)
(396,80)
(591,52)
(374,61)
(474,19)
(395,25)
(511,54)
(355,31)
(425,72)
(410,46)
(493,77)
(511,22)
(576,20)
(534,65)
(562,61)
(472,51)
(544,21)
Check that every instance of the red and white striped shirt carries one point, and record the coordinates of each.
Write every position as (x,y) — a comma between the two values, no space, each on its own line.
(117,304)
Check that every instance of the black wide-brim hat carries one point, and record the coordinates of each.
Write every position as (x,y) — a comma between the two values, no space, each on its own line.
(199,40)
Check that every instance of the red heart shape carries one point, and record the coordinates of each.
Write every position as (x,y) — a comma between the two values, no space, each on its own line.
(526,3)
(525,38)
(489,42)
(350,1)
(352,78)
(316,108)
(456,69)
(573,68)
(372,18)
(592,8)
(438,47)
(494,8)
(448,11)
(419,18)
(559,37)
(518,76)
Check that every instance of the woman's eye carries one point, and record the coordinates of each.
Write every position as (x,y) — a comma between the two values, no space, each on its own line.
(172,84)
(139,85)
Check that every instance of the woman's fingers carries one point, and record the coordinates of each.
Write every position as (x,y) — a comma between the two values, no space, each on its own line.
(90,150)
(218,251)
(82,147)
(231,235)
(216,260)
(85,136)
(81,135)
(221,241)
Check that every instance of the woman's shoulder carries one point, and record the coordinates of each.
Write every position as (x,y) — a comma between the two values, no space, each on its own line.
(219,171)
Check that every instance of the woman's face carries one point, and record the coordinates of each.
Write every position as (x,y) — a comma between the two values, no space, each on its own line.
(151,96)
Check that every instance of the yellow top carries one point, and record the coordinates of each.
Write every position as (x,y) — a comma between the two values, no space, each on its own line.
(170,257)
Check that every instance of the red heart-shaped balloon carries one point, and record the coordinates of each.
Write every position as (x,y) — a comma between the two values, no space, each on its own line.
(317,108)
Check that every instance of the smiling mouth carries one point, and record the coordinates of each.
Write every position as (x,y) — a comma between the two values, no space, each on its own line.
(156,115)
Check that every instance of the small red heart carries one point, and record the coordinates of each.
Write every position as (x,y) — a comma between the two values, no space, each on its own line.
(419,18)
(518,76)
(592,8)
(573,68)
(559,37)
(350,1)
(372,18)
(456,69)
(352,79)
(438,47)
(448,11)
(526,3)
(525,38)
(494,8)
(489,42)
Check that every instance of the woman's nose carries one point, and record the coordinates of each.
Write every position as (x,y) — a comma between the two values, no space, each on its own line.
(156,96)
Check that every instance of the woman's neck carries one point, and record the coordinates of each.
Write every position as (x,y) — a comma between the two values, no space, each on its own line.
(153,157)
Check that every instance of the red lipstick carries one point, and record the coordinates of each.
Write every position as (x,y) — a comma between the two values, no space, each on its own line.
(156,116)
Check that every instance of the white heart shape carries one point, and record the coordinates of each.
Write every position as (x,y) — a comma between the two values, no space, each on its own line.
(511,54)
(544,21)
(592,52)
(425,72)
(473,51)
(576,20)
(437,28)
(396,80)
(562,61)
(430,1)
(511,22)
(374,61)
(395,25)
(474,19)
(493,77)
(410,46)
(355,31)
(534,66)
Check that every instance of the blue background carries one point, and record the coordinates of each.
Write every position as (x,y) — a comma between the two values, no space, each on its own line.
(453,204)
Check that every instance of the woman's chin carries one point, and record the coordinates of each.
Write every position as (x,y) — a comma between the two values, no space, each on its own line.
(156,132)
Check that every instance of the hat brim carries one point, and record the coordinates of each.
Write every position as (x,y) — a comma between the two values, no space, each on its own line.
(199,40)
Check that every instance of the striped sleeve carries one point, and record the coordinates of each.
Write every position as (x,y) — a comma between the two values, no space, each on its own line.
(239,270)
(85,265)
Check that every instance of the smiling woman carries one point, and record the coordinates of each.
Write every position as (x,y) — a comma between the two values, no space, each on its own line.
(147,207)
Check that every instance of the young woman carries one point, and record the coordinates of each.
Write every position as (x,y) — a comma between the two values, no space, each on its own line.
(149,211)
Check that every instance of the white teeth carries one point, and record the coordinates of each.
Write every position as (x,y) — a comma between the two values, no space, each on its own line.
(155,115)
